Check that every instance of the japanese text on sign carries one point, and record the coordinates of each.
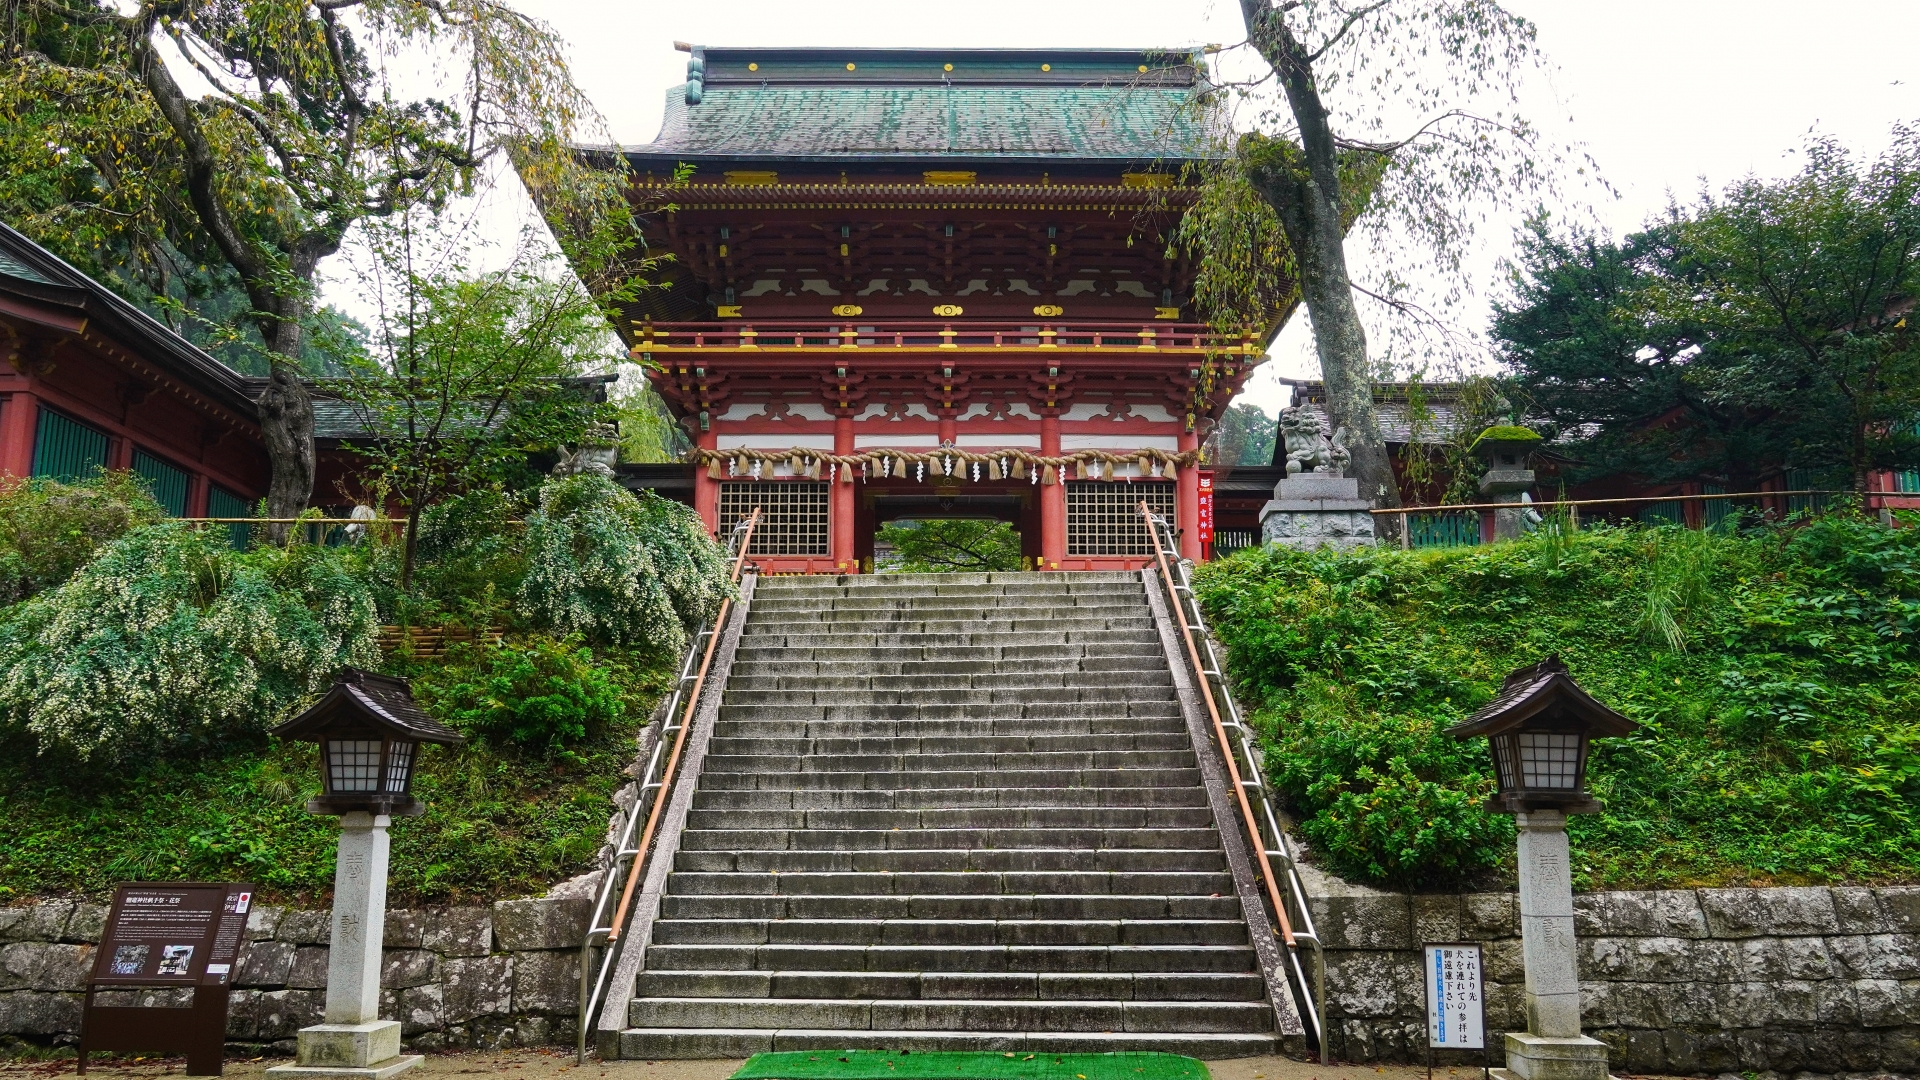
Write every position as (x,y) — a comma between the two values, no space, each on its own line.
(1456,1013)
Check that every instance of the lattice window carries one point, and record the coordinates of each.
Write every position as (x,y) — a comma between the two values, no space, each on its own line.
(1103,518)
(793,516)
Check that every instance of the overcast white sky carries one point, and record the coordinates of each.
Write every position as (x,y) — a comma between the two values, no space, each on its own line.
(1665,94)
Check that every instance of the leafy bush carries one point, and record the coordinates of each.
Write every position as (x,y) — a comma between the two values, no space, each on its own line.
(49,529)
(615,569)
(1775,675)
(537,693)
(168,639)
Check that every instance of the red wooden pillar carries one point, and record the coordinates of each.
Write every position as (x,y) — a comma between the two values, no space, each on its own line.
(19,419)
(1186,502)
(706,491)
(840,513)
(197,490)
(1053,499)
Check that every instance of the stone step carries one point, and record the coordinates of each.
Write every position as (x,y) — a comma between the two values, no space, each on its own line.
(976,605)
(1037,693)
(1070,580)
(986,652)
(896,711)
(956,631)
(923,778)
(959,841)
(726,746)
(1057,959)
(1124,664)
(950,932)
(939,798)
(853,883)
(932,1014)
(948,860)
(950,907)
(1010,761)
(976,678)
(959,818)
(685,1043)
(1007,727)
(956,985)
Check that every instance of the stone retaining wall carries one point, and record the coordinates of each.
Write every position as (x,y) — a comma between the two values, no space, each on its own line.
(505,975)
(1704,981)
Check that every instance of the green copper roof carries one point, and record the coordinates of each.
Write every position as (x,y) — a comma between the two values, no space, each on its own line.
(819,104)
(13,267)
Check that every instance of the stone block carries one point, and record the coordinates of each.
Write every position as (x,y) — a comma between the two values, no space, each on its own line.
(20,964)
(1858,910)
(1900,906)
(1375,984)
(1687,1004)
(520,925)
(1506,1006)
(280,1014)
(242,1013)
(1787,1001)
(44,921)
(1364,921)
(1438,918)
(1745,913)
(263,920)
(421,1010)
(1622,1005)
(547,982)
(1490,916)
(1504,960)
(405,928)
(402,968)
(309,970)
(64,967)
(1534,1057)
(86,924)
(1646,1052)
(350,1046)
(1653,913)
(1771,959)
(265,963)
(1656,959)
(476,986)
(35,1012)
(1880,1003)
(461,931)
(305,927)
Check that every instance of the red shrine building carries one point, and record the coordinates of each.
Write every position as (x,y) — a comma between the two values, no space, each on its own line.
(918,283)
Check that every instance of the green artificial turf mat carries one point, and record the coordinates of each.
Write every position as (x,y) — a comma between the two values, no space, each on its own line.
(967,1065)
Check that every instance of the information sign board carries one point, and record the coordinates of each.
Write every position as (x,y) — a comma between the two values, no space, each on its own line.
(160,934)
(1206,507)
(1456,997)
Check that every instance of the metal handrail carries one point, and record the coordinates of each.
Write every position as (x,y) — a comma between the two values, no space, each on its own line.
(1235,738)
(658,779)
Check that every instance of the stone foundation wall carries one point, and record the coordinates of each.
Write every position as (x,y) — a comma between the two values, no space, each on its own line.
(504,975)
(1704,981)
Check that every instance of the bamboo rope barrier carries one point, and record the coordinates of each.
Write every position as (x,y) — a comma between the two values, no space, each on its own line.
(1604,502)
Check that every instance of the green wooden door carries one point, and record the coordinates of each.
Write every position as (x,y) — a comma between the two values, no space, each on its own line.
(168,484)
(66,450)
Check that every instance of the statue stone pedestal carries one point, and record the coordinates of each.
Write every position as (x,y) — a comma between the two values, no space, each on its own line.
(1311,510)
(1507,485)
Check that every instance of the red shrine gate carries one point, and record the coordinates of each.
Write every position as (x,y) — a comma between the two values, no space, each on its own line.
(919,283)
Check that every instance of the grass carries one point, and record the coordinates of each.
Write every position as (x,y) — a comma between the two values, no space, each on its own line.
(1775,675)
(500,820)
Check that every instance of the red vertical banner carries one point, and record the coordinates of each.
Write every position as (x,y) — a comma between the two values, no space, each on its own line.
(1206,514)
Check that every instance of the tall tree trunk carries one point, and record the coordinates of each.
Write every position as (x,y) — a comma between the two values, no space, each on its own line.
(1302,184)
(286,424)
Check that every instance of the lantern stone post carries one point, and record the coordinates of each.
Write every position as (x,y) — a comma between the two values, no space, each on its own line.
(369,730)
(1505,449)
(1539,729)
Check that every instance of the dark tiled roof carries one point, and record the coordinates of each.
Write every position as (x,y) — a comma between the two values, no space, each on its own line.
(805,104)
(367,697)
(31,271)
(1533,689)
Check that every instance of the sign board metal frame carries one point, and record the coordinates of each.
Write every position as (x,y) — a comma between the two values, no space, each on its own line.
(1430,954)
(167,934)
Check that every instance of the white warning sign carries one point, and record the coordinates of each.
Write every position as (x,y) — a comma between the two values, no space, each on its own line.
(1456,1000)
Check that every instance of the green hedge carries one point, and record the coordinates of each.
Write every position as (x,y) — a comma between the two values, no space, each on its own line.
(1774,674)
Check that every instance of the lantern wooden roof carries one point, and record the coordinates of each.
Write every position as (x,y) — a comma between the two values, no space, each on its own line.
(1538,688)
(363,698)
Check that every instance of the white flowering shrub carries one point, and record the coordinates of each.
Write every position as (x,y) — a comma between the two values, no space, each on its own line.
(168,639)
(616,569)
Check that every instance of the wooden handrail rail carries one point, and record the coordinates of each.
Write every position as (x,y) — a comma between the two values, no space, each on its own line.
(1220,733)
(679,741)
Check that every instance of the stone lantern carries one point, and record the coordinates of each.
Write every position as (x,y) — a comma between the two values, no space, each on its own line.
(370,731)
(1539,729)
(1506,448)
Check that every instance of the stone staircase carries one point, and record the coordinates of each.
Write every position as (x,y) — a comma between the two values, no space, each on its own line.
(950,812)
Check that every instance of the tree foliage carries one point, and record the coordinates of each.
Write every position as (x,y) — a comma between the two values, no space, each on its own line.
(1397,117)
(1246,436)
(167,639)
(636,572)
(256,135)
(1762,329)
(949,545)
(49,529)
